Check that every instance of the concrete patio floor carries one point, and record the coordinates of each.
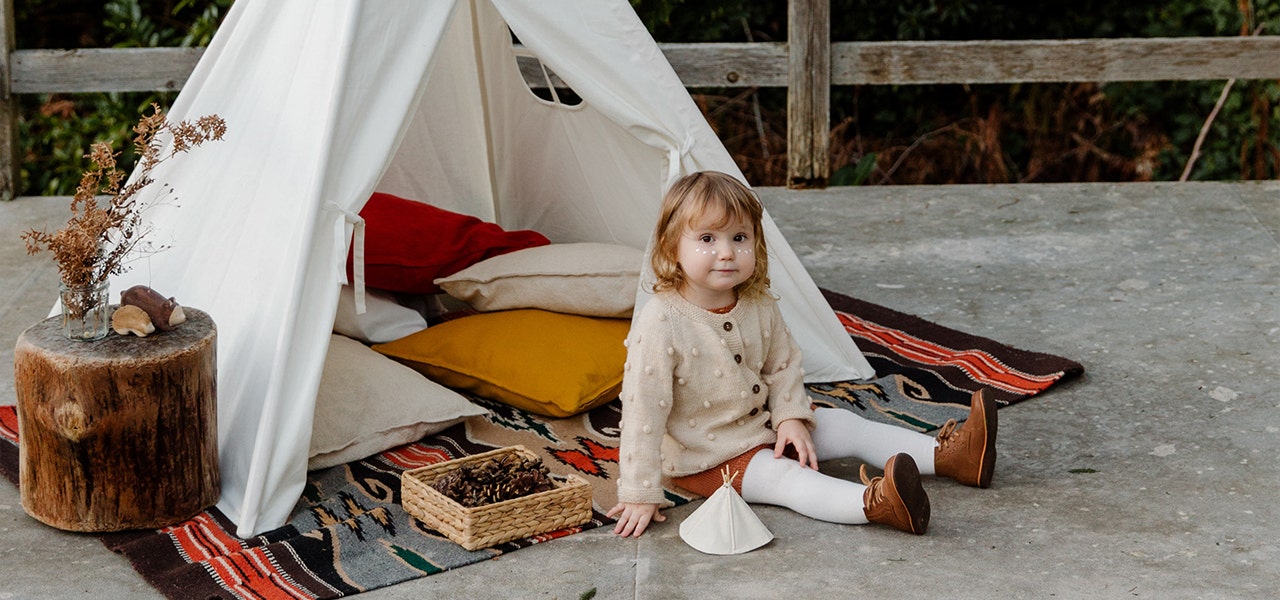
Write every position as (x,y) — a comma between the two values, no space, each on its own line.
(1153,476)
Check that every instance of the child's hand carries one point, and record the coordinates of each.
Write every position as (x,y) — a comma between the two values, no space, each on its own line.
(635,517)
(793,432)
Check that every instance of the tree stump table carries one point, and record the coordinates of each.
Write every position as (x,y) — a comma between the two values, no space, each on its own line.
(119,433)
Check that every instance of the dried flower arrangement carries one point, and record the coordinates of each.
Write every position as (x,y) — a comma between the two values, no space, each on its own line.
(98,239)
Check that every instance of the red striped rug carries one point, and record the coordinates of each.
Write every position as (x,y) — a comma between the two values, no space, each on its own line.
(350,534)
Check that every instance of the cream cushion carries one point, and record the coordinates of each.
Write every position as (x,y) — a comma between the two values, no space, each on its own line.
(590,279)
(368,403)
(383,320)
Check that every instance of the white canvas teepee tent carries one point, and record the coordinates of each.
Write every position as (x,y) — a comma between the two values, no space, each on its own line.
(328,101)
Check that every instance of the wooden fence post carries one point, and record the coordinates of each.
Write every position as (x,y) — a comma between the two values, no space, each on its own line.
(8,110)
(808,93)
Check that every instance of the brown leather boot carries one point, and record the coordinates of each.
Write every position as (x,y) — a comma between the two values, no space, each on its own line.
(897,499)
(967,453)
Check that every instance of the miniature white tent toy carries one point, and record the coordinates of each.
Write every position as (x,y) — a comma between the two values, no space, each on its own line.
(725,523)
(327,102)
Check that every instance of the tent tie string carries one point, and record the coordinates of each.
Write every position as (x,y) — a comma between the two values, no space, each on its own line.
(675,158)
(357,252)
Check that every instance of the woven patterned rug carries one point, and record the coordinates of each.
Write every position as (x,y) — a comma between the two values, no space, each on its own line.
(349,534)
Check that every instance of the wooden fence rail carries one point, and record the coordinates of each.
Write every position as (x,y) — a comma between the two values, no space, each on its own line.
(807,70)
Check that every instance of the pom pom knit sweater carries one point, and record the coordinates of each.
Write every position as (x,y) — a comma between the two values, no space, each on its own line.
(700,388)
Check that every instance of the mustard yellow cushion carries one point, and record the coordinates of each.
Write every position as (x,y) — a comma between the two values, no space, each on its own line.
(544,362)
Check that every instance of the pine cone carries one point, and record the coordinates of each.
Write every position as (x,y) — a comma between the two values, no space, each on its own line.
(495,480)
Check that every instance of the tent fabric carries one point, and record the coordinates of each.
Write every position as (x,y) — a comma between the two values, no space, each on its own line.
(327,102)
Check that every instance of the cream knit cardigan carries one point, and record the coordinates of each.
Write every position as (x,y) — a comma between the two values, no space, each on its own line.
(700,388)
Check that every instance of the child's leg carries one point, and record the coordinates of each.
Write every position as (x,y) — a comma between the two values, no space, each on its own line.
(896,499)
(783,482)
(843,434)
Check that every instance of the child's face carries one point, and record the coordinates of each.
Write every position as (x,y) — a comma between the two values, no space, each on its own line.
(716,257)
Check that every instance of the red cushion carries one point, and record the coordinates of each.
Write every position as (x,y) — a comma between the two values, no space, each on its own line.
(408,244)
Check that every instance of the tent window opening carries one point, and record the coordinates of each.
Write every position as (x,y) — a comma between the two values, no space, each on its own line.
(542,81)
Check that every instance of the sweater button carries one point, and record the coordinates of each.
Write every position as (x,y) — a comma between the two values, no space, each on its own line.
(728,326)
(755,389)
(755,411)
(737,358)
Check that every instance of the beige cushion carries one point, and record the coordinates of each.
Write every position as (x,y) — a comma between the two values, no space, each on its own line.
(595,280)
(369,403)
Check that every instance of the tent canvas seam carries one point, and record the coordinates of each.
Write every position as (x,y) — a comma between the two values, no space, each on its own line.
(477,42)
(255,483)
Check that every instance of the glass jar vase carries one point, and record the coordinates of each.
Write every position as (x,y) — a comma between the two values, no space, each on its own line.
(86,312)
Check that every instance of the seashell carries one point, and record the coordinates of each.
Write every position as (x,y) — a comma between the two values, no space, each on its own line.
(131,319)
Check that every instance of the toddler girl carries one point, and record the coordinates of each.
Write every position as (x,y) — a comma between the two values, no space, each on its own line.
(713,379)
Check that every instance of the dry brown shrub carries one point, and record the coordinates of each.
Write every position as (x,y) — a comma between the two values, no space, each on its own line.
(754,136)
(1058,133)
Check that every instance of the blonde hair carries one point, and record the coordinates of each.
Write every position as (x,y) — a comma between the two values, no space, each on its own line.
(691,197)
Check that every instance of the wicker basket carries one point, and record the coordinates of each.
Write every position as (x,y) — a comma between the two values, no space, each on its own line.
(568,505)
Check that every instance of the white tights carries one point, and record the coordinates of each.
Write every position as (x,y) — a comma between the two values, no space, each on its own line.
(839,434)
